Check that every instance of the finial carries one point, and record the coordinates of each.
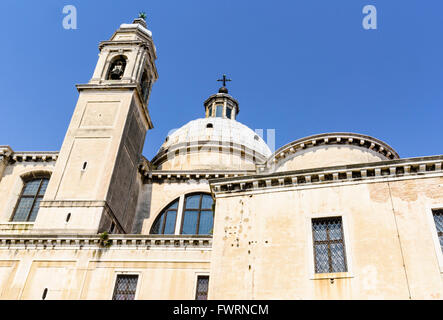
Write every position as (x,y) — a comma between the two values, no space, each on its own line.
(141,19)
(224,80)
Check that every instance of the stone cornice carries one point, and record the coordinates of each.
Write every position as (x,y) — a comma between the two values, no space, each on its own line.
(108,84)
(184,175)
(364,173)
(6,153)
(339,138)
(92,242)
(33,156)
(119,43)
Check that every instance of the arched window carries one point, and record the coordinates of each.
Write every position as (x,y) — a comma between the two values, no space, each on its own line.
(30,198)
(196,216)
(165,222)
(145,85)
(117,68)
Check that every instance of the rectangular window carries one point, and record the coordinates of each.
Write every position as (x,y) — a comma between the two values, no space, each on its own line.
(228,113)
(438,219)
(29,202)
(210,112)
(219,111)
(125,287)
(329,247)
(202,288)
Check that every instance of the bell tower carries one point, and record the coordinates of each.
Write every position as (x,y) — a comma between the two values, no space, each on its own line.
(93,187)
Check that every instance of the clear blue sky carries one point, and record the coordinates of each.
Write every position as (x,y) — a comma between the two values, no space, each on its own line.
(299,67)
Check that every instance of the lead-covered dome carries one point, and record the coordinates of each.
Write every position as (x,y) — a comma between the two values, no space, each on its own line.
(214,144)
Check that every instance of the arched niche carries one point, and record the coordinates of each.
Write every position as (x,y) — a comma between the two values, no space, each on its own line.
(117,68)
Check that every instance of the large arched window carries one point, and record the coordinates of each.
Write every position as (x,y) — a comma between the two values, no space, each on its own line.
(165,223)
(194,212)
(30,198)
(197,215)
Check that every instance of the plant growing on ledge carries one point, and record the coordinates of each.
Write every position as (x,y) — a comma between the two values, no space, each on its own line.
(104,240)
(142,15)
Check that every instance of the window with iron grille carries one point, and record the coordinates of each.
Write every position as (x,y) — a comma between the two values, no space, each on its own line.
(329,246)
(125,287)
(438,219)
(202,288)
(29,202)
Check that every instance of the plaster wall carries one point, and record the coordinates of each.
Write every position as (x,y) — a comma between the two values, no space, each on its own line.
(326,156)
(262,247)
(91,274)
(11,185)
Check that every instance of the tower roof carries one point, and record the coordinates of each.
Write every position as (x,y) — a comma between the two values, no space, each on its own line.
(222,104)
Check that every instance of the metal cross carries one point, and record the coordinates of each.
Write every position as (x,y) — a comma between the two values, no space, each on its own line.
(224,80)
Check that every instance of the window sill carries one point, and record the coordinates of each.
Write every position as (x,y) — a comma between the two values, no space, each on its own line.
(334,275)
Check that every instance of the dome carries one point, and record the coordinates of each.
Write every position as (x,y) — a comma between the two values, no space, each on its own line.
(213,144)
(330,149)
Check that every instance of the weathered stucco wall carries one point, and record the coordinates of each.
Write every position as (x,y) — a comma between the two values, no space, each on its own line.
(11,184)
(263,242)
(168,273)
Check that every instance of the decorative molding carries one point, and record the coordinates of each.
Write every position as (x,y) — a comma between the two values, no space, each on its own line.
(16,227)
(33,156)
(5,151)
(178,175)
(226,147)
(92,242)
(366,172)
(72,204)
(340,138)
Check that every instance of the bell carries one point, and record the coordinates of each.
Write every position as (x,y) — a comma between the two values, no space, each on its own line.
(117,72)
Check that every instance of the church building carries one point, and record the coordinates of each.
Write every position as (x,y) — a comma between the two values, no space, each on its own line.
(215,214)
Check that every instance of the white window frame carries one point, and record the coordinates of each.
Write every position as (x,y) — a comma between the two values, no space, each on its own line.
(433,230)
(347,244)
(178,219)
(128,273)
